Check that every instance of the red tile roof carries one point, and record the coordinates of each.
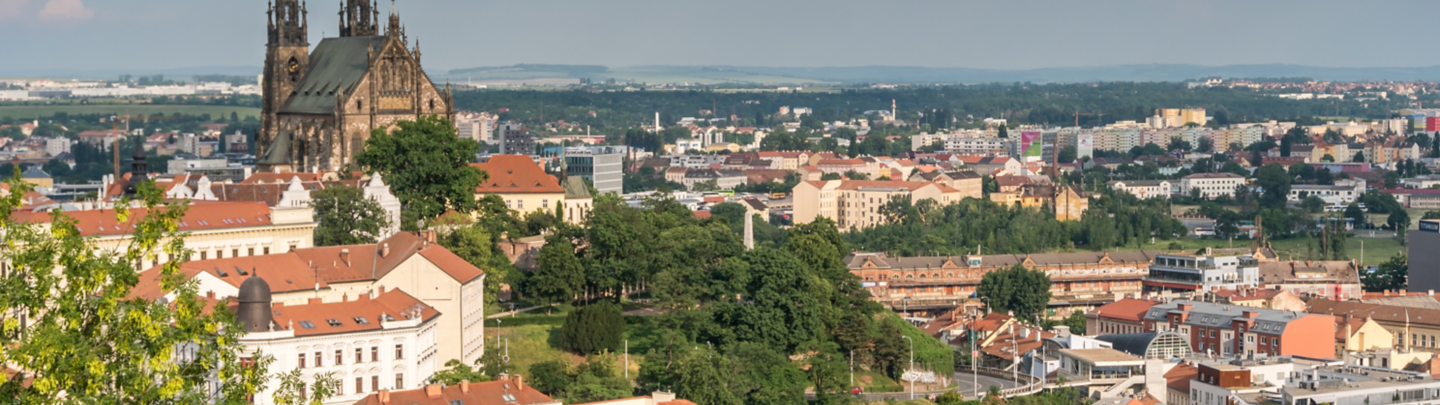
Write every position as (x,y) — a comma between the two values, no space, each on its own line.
(1128,309)
(395,304)
(1178,378)
(201,215)
(475,393)
(516,174)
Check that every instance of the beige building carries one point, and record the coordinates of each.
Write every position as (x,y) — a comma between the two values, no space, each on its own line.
(855,204)
(578,201)
(522,183)
(1364,342)
(1142,189)
(216,229)
(406,261)
(967,183)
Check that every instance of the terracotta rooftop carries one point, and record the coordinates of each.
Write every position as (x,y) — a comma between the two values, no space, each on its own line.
(201,215)
(516,174)
(1128,309)
(510,391)
(357,314)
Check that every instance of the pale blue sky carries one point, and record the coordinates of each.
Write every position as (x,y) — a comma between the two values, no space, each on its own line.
(1008,34)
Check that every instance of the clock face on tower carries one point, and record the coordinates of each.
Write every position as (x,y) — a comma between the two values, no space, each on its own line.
(294,66)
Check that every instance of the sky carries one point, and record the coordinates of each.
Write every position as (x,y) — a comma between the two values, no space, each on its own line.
(1010,34)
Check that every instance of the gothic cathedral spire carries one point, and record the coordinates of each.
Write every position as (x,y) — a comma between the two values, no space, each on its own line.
(359,18)
(287,59)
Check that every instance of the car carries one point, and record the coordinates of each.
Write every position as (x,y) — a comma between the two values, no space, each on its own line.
(856,391)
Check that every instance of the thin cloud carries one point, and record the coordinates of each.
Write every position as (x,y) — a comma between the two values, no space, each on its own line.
(65,10)
(12,9)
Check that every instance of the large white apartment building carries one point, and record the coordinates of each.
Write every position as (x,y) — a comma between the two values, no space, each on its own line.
(373,341)
(1143,189)
(1212,185)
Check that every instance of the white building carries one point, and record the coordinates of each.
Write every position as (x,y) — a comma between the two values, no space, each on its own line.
(1212,185)
(1143,189)
(57,145)
(1343,192)
(377,340)
(978,146)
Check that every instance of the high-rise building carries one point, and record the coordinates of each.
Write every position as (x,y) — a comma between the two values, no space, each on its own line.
(602,166)
(515,139)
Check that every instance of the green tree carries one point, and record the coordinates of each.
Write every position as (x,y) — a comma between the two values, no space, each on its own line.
(1431,215)
(707,185)
(1003,132)
(1359,157)
(292,389)
(593,329)
(1355,214)
(1391,275)
(347,217)
(1067,154)
(1312,204)
(427,166)
(830,176)
(1206,145)
(597,380)
(1018,289)
(1275,182)
(854,175)
(559,274)
(88,340)
(457,371)
(1399,220)
(549,377)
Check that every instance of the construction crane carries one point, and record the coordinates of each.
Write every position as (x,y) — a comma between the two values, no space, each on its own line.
(1098,116)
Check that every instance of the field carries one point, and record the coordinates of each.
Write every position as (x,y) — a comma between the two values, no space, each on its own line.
(34,111)
(1376,250)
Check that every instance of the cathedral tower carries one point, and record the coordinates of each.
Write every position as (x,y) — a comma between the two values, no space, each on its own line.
(287,58)
(359,19)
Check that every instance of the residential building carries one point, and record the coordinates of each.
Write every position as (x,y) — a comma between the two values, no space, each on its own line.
(1259,298)
(57,145)
(1069,203)
(979,146)
(505,390)
(1078,280)
(1337,279)
(1143,189)
(968,183)
(515,139)
(842,166)
(1343,192)
(1124,316)
(406,261)
(1230,330)
(1364,342)
(521,182)
(479,127)
(218,170)
(1207,270)
(1413,328)
(1428,199)
(1212,185)
(855,204)
(374,341)
(724,179)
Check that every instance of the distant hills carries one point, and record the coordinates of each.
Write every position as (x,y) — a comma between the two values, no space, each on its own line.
(834,75)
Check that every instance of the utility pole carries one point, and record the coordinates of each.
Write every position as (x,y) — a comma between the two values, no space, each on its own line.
(852,367)
(912,364)
(627,360)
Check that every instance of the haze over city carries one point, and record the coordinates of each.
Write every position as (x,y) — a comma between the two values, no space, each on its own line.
(167,34)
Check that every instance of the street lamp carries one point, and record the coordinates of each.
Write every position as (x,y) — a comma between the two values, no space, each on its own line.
(912,364)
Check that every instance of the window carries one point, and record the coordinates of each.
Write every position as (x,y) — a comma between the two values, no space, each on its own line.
(545,203)
(250,251)
(519,204)
(266,250)
(359,356)
(339,358)
(219,253)
(318,362)
(359,384)
(303,394)
(399,352)
(235,252)
(399,380)
(374,353)
(374,382)
(302,360)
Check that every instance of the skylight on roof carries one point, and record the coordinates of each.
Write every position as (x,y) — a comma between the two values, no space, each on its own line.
(333,322)
(361,320)
(457,402)
(307,325)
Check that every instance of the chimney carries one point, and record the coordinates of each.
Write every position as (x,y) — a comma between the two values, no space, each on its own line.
(465,386)
(211,294)
(1184,307)
(519,381)
(432,391)
(1250,314)
(345,256)
(313,301)
(1062,331)
(384,250)
(384,396)
(345,297)
(382,290)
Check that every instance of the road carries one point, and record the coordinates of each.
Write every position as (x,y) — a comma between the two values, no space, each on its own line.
(963,382)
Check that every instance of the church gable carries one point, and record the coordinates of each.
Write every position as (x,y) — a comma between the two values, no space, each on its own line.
(337,65)
(398,85)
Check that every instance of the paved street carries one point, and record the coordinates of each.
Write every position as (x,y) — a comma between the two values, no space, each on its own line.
(963,382)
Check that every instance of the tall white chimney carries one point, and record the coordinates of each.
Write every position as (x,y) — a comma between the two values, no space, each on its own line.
(657,121)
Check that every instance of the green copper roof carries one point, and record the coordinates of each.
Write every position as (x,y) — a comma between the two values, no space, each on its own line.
(575,187)
(336,64)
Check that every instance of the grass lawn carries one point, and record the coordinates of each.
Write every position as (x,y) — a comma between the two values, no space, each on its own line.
(1377,250)
(33,111)
(532,337)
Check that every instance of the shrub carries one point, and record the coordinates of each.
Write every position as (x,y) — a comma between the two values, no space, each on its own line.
(593,329)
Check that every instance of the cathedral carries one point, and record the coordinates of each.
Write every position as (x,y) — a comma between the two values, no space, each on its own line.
(319,107)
